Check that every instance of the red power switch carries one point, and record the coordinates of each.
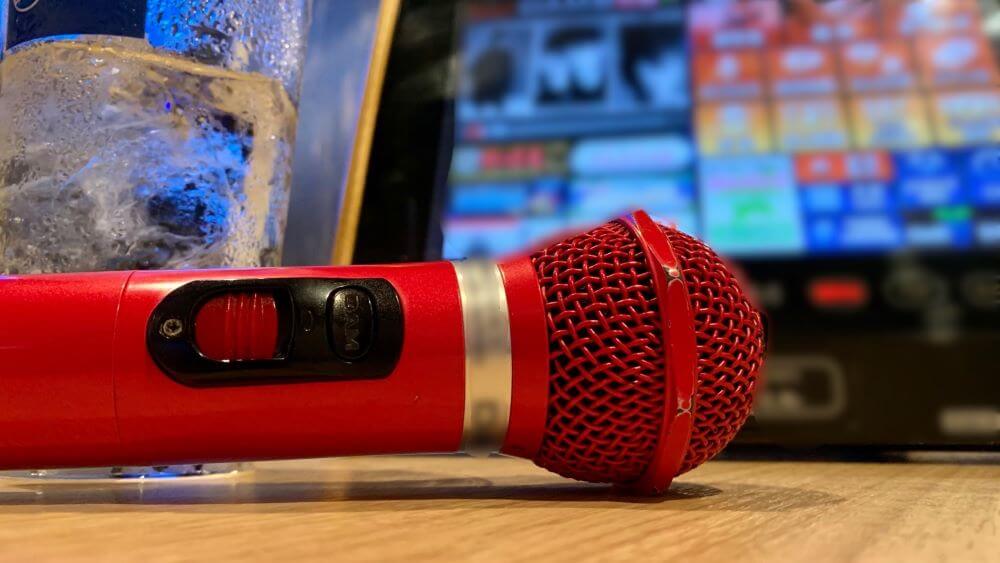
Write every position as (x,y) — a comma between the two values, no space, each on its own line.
(237,327)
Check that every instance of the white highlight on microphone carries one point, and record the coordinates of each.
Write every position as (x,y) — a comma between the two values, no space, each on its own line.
(488,362)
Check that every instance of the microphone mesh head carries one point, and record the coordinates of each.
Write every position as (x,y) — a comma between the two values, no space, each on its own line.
(607,363)
(730,337)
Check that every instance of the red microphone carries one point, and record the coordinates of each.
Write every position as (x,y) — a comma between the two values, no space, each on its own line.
(626,355)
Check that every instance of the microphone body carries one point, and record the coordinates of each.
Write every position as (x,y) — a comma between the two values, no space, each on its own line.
(79,388)
(626,355)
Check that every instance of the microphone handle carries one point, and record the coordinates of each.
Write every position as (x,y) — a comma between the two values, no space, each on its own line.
(110,369)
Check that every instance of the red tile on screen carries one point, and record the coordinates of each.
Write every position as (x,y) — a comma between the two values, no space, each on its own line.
(835,167)
(735,25)
(805,70)
(728,75)
(948,61)
(823,167)
(909,17)
(878,66)
(836,20)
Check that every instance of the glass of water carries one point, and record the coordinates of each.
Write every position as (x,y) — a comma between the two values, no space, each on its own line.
(146,134)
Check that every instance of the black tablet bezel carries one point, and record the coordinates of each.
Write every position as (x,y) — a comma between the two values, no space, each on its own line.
(399,217)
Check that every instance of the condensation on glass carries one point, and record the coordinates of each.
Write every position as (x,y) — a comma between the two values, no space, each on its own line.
(147,133)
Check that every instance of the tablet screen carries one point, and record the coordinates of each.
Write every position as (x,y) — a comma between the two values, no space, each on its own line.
(799,128)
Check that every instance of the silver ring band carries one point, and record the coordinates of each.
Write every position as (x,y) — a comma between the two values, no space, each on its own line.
(488,363)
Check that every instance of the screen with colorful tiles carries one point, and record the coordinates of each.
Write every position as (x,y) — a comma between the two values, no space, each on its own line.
(767,128)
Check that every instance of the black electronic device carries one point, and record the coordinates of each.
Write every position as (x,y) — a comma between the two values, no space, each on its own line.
(846,154)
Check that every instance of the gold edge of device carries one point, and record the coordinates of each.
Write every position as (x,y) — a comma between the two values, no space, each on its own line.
(354,188)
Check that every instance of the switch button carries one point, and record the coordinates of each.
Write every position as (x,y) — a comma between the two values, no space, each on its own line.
(237,327)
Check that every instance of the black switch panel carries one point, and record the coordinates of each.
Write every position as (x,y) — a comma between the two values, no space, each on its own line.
(328,329)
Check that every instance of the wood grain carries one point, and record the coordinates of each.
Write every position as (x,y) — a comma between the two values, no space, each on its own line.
(454,508)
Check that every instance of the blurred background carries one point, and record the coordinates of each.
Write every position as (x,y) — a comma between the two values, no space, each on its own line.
(844,154)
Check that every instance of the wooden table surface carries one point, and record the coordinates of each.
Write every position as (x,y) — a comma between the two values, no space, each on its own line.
(454,508)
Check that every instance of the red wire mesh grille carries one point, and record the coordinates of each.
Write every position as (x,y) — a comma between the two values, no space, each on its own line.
(730,339)
(606,363)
